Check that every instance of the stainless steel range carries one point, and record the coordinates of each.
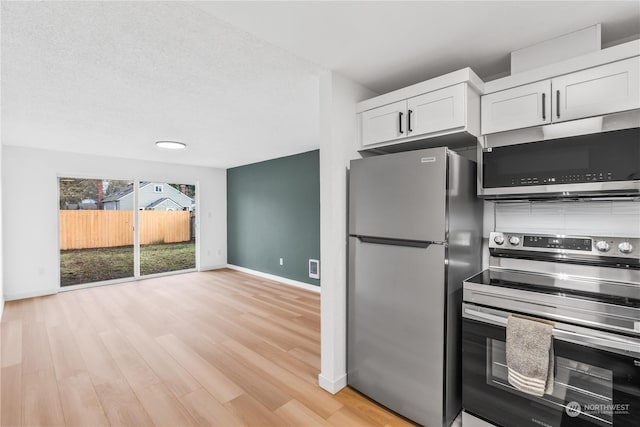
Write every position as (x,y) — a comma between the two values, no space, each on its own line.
(589,286)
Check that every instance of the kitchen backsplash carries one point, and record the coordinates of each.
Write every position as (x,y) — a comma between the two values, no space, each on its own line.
(604,218)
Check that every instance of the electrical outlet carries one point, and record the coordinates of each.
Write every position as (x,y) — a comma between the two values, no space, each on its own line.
(281,261)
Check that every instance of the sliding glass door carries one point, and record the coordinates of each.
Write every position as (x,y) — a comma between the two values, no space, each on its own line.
(99,239)
(167,227)
(96,240)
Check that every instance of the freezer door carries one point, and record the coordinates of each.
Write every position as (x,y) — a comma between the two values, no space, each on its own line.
(395,338)
(400,195)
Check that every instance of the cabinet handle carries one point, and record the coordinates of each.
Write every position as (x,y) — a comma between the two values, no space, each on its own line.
(400,121)
(544,113)
(558,103)
(409,121)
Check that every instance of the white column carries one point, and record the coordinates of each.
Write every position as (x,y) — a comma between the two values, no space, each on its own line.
(1,238)
(1,243)
(338,145)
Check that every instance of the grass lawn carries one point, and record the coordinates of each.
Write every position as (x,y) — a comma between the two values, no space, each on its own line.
(93,265)
(167,257)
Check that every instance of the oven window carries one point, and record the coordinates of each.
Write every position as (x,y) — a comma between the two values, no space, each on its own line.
(590,386)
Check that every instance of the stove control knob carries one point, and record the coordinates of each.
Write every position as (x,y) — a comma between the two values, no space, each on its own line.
(602,246)
(625,247)
(514,240)
(499,239)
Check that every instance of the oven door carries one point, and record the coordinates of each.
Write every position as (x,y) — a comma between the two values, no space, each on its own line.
(597,377)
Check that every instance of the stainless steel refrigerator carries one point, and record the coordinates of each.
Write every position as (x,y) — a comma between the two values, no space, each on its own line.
(415,233)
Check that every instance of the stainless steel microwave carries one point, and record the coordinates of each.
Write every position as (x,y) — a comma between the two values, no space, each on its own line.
(597,156)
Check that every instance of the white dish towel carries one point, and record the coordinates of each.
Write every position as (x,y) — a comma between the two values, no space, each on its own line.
(530,355)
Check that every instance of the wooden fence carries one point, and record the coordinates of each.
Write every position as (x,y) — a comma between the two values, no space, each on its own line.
(84,229)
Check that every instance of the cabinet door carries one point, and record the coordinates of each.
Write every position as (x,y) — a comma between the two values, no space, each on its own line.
(436,111)
(516,108)
(384,123)
(601,90)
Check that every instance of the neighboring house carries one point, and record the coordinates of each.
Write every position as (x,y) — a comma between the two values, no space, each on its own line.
(158,196)
(165,204)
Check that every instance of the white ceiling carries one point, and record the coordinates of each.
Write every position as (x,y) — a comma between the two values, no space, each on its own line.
(239,83)
(386,45)
(111,78)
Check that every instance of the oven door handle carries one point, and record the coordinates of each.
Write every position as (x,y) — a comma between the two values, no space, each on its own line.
(481,315)
(608,342)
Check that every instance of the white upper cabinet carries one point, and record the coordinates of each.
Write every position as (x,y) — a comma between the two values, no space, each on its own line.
(437,111)
(386,123)
(523,106)
(447,106)
(605,89)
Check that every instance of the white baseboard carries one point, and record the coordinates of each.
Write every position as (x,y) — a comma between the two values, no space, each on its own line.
(213,267)
(1,308)
(283,280)
(30,294)
(332,386)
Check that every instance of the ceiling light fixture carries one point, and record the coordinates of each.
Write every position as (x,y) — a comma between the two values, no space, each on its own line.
(171,145)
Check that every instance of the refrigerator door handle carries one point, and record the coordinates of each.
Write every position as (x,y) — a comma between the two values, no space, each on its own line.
(396,242)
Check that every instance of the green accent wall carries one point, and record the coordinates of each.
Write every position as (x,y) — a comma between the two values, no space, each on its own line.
(273,212)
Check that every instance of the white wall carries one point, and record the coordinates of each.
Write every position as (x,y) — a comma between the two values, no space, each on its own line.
(1,242)
(338,145)
(1,237)
(29,190)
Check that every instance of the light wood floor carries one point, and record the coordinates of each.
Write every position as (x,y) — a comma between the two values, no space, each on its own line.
(216,348)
